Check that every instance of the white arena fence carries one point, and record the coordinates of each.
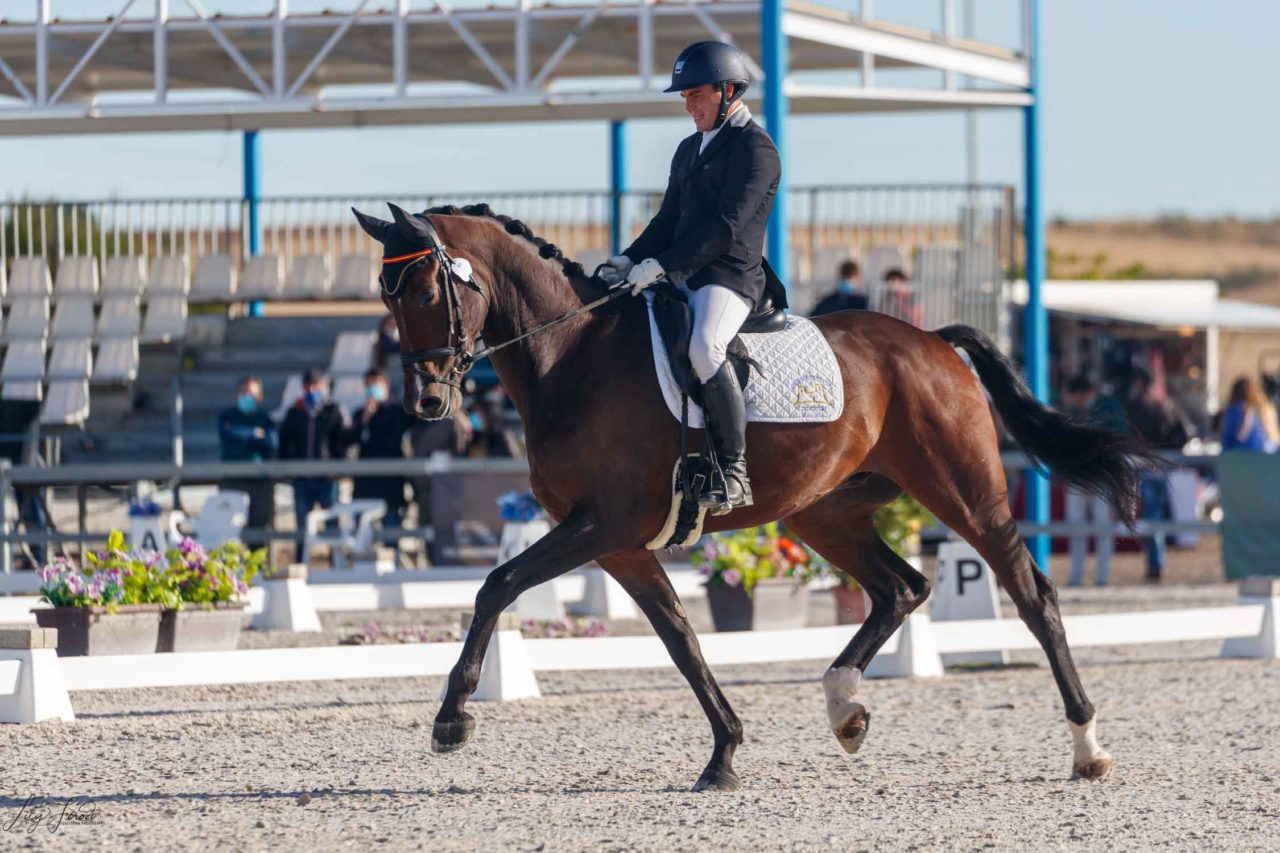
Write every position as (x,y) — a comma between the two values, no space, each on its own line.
(35,684)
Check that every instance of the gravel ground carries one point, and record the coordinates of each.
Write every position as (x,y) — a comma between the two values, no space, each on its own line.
(604,760)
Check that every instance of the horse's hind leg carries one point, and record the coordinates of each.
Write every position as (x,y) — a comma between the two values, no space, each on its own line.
(642,576)
(839,527)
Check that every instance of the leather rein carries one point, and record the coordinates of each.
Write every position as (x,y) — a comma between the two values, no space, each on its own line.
(449,278)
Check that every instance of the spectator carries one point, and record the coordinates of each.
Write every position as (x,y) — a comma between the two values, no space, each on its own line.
(378,430)
(314,427)
(900,298)
(1160,424)
(246,434)
(451,436)
(1083,403)
(387,344)
(1249,422)
(849,295)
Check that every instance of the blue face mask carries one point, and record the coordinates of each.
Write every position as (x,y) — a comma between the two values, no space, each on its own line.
(376,391)
(477,423)
(313,398)
(845,286)
(247,403)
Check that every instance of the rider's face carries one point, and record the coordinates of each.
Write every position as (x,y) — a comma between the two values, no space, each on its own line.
(702,104)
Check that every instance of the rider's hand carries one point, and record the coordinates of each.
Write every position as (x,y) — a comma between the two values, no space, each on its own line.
(644,274)
(614,271)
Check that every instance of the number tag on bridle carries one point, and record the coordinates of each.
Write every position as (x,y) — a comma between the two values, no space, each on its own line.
(461,269)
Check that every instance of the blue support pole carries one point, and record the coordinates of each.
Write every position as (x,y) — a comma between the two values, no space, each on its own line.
(617,185)
(1035,335)
(773,53)
(252,194)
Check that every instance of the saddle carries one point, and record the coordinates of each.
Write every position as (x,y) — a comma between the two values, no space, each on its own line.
(674,316)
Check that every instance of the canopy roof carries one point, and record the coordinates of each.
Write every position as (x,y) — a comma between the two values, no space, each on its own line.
(143,71)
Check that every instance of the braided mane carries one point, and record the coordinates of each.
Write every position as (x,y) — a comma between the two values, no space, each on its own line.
(550,251)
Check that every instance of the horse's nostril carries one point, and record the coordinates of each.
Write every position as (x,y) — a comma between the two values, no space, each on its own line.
(431,403)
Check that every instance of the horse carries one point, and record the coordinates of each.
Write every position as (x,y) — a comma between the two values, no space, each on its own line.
(601,443)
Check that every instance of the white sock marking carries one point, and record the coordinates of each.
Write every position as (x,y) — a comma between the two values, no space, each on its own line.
(840,683)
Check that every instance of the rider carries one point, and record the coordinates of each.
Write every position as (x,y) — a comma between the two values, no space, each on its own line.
(709,236)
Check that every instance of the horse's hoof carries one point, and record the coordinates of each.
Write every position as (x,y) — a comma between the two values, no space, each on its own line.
(853,731)
(448,735)
(1096,770)
(717,780)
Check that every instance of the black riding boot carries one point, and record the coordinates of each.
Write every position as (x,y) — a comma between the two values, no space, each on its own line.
(726,417)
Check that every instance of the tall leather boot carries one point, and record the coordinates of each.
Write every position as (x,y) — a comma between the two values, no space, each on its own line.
(726,413)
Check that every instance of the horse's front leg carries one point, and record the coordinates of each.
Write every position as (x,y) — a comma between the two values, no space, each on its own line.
(577,540)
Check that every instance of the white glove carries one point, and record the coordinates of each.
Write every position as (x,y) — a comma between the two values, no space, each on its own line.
(615,270)
(644,274)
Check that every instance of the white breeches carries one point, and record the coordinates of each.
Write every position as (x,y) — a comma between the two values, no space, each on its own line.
(718,314)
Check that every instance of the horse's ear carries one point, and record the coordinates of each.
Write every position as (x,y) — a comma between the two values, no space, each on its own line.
(410,226)
(376,228)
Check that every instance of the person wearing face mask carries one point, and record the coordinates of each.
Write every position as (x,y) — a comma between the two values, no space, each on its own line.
(378,429)
(314,427)
(246,434)
(849,295)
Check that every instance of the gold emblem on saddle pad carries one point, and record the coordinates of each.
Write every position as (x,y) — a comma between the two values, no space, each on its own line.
(812,393)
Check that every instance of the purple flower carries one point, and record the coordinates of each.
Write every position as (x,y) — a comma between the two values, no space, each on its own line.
(732,577)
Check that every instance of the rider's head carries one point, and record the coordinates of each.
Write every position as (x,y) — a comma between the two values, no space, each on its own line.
(712,77)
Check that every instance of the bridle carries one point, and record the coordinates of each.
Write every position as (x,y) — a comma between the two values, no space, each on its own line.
(448,277)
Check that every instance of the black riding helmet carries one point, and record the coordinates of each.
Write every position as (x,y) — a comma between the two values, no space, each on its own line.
(711,62)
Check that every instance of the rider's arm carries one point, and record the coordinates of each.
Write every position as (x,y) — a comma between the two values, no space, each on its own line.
(753,171)
(657,234)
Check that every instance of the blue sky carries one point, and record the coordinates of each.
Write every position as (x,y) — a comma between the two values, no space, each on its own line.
(1151,106)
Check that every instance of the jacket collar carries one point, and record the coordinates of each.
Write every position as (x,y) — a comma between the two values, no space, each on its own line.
(731,127)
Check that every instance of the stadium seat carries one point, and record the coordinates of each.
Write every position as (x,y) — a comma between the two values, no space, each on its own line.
(166,319)
(71,359)
(215,279)
(348,392)
(73,317)
(292,391)
(309,278)
(126,276)
(357,278)
(77,277)
(67,403)
(29,277)
(23,361)
(352,354)
(169,275)
(28,318)
(30,390)
(263,278)
(120,317)
(117,361)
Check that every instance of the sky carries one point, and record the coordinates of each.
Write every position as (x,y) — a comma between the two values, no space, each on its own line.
(1150,107)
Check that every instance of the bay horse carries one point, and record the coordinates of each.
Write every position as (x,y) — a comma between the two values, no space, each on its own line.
(601,444)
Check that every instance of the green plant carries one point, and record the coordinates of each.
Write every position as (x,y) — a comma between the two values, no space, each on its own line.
(745,557)
(899,524)
(109,578)
(209,577)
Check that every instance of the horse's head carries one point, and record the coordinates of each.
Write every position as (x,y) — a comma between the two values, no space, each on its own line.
(431,296)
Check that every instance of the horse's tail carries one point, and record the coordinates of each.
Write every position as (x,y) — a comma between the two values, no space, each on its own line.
(1093,459)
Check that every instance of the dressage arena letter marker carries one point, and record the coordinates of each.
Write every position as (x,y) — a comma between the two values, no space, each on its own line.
(965,589)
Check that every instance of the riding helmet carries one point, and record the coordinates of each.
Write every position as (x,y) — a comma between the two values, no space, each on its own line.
(711,62)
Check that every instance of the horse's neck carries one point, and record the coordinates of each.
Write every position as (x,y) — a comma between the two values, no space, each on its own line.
(525,297)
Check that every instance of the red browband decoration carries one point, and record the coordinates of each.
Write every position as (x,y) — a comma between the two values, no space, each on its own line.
(408,257)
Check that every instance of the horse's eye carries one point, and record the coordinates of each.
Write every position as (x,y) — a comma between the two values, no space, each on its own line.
(427,297)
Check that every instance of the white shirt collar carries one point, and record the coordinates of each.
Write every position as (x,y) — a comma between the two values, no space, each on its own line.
(737,118)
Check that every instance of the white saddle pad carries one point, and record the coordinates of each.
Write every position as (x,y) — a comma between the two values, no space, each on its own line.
(801,381)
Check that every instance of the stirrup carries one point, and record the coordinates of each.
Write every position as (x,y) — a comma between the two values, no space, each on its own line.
(716,497)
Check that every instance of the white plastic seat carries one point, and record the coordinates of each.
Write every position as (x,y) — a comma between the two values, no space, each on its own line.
(170,275)
(30,390)
(348,392)
(120,317)
(292,391)
(221,520)
(73,317)
(263,278)
(352,354)
(23,361)
(117,361)
(166,319)
(309,278)
(29,277)
(881,259)
(77,277)
(28,318)
(124,276)
(352,541)
(67,403)
(356,278)
(215,279)
(71,359)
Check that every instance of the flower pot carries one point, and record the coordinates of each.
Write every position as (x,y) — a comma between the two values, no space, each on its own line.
(131,630)
(778,603)
(202,627)
(851,605)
